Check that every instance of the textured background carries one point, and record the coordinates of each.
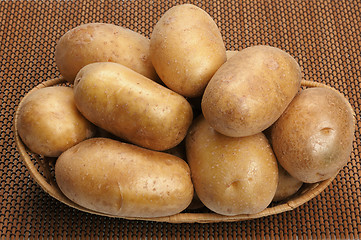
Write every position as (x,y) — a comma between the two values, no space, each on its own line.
(324,37)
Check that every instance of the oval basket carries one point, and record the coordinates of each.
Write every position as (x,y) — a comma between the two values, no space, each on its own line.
(42,171)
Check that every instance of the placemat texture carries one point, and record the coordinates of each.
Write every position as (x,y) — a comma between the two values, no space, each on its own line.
(324,37)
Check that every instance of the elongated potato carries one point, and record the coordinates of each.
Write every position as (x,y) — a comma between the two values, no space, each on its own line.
(231,175)
(49,122)
(132,106)
(186,49)
(313,138)
(124,180)
(251,90)
(101,42)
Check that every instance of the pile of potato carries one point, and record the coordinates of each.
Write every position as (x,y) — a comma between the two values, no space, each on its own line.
(246,132)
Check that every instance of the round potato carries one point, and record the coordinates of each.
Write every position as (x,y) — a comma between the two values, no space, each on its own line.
(124,180)
(49,122)
(287,185)
(186,49)
(313,138)
(231,176)
(251,90)
(101,42)
(131,106)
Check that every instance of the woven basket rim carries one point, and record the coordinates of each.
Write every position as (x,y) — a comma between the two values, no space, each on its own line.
(51,188)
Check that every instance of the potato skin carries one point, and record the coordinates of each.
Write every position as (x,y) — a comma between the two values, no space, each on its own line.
(101,42)
(180,151)
(231,176)
(132,106)
(250,91)
(313,138)
(287,185)
(230,53)
(124,180)
(49,122)
(186,49)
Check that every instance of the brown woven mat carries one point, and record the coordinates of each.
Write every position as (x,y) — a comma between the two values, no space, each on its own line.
(324,36)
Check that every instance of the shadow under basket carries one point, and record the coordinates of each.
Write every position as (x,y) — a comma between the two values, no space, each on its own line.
(42,171)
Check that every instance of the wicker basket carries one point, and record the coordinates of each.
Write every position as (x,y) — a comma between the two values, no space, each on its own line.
(42,171)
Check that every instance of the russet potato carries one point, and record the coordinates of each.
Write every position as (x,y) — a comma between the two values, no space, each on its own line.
(313,138)
(180,151)
(186,49)
(131,106)
(287,185)
(231,176)
(251,90)
(102,42)
(124,180)
(49,122)
(230,53)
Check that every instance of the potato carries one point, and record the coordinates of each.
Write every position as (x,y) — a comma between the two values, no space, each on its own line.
(124,180)
(101,42)
(131,106)
(186,49)
(287,185)
(180,151)
(313,138)
(250,91)
(230,53)
(49,122)
(231,175)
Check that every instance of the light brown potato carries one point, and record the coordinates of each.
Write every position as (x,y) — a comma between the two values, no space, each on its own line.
(250,91)
(49,122)
(180,151)
(287,185)
(230,53)
(124,180)
(132,106)
(186,49)
(313,138)
(231,176)
(101,42)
